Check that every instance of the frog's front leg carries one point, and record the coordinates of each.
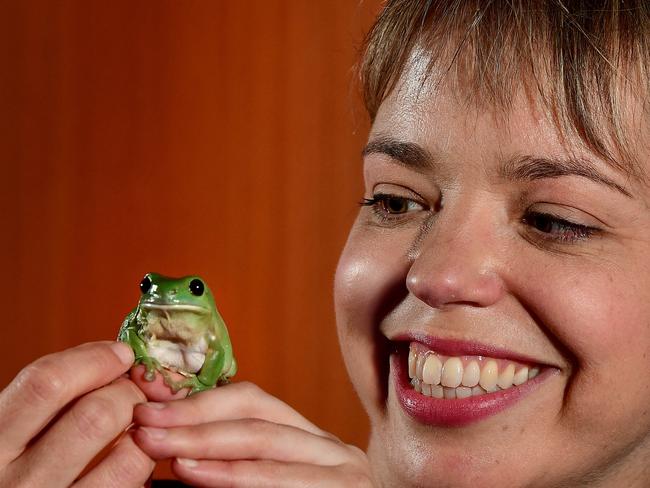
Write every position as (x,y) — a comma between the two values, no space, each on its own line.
(141,357)
(212,368)
(128,333)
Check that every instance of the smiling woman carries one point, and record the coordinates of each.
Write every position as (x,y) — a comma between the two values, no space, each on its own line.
(492,299)
(502,246)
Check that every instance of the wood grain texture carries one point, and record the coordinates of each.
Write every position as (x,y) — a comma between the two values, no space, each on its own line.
(213,137)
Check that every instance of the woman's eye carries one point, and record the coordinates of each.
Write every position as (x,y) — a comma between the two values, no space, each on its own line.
(555,228)
(388,207)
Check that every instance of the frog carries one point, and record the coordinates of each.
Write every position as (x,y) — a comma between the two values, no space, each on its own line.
(176,327)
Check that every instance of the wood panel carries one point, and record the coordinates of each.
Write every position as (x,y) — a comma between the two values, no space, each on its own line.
(212,137)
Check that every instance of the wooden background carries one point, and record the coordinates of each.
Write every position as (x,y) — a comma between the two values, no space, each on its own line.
(220,138)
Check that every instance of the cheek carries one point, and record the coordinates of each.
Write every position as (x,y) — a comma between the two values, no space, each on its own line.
(368,281)
(601,315)
(368,272)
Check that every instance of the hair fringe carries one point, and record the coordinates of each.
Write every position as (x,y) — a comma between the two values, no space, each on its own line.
(582,59)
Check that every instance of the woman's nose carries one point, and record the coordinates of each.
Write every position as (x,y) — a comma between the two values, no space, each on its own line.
(460,268)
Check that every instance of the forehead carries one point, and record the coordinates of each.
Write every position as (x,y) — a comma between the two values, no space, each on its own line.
(432,107)
(438,118)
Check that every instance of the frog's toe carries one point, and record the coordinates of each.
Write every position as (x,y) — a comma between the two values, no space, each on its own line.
(174,386)
(151,366)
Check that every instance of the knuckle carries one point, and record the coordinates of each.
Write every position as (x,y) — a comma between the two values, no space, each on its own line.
(251,390)
(94,417)
(250,398)
(133,466)
(258,426)
(262,436)
(42,380)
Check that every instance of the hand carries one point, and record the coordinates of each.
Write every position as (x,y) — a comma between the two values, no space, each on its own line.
(238,435)
(61,411)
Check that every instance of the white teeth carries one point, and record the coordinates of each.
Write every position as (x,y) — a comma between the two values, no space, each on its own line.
(456,377)
(463,392)
(505,378)
(452,373)
(489,376)
(431,370)
(477,390)
(436,391)
(520,376)
(472,374)
(449,393)
(420,364)
(412,360)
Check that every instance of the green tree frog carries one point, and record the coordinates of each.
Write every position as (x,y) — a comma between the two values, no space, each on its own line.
(176,327)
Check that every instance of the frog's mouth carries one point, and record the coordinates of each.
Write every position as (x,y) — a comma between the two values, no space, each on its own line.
(175,307)
(180,323)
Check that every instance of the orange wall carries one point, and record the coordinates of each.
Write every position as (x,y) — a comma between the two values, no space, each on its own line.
(213,137)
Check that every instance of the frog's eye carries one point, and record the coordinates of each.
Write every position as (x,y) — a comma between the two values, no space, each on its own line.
(197,287)
(145,284)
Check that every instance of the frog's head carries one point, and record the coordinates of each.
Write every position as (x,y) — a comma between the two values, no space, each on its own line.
(189,294)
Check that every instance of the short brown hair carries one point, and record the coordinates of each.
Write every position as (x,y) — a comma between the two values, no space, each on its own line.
(580,56)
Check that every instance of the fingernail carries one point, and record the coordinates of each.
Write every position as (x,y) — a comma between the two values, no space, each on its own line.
(124,352)
(154,432)
(188,463)
(154,405)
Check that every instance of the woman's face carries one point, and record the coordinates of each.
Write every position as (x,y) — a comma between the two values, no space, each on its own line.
(493,250)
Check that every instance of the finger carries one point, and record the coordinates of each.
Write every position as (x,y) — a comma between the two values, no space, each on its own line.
(253,474)
(45,386)
(229,402)
(78,436)
(157,390)
(241,439)
(125,466)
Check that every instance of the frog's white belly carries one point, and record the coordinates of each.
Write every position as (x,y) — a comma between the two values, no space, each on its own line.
(178,356)
(176,337)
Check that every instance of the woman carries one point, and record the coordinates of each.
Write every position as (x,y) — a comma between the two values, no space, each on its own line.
(492,299)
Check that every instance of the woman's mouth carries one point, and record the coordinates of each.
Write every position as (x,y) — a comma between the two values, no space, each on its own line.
(455,390)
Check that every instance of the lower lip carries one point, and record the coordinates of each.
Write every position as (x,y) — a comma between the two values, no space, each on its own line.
(456,412)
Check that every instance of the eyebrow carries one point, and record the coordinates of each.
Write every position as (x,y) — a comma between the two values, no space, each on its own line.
(531,168)
(406,153)
(528,168)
